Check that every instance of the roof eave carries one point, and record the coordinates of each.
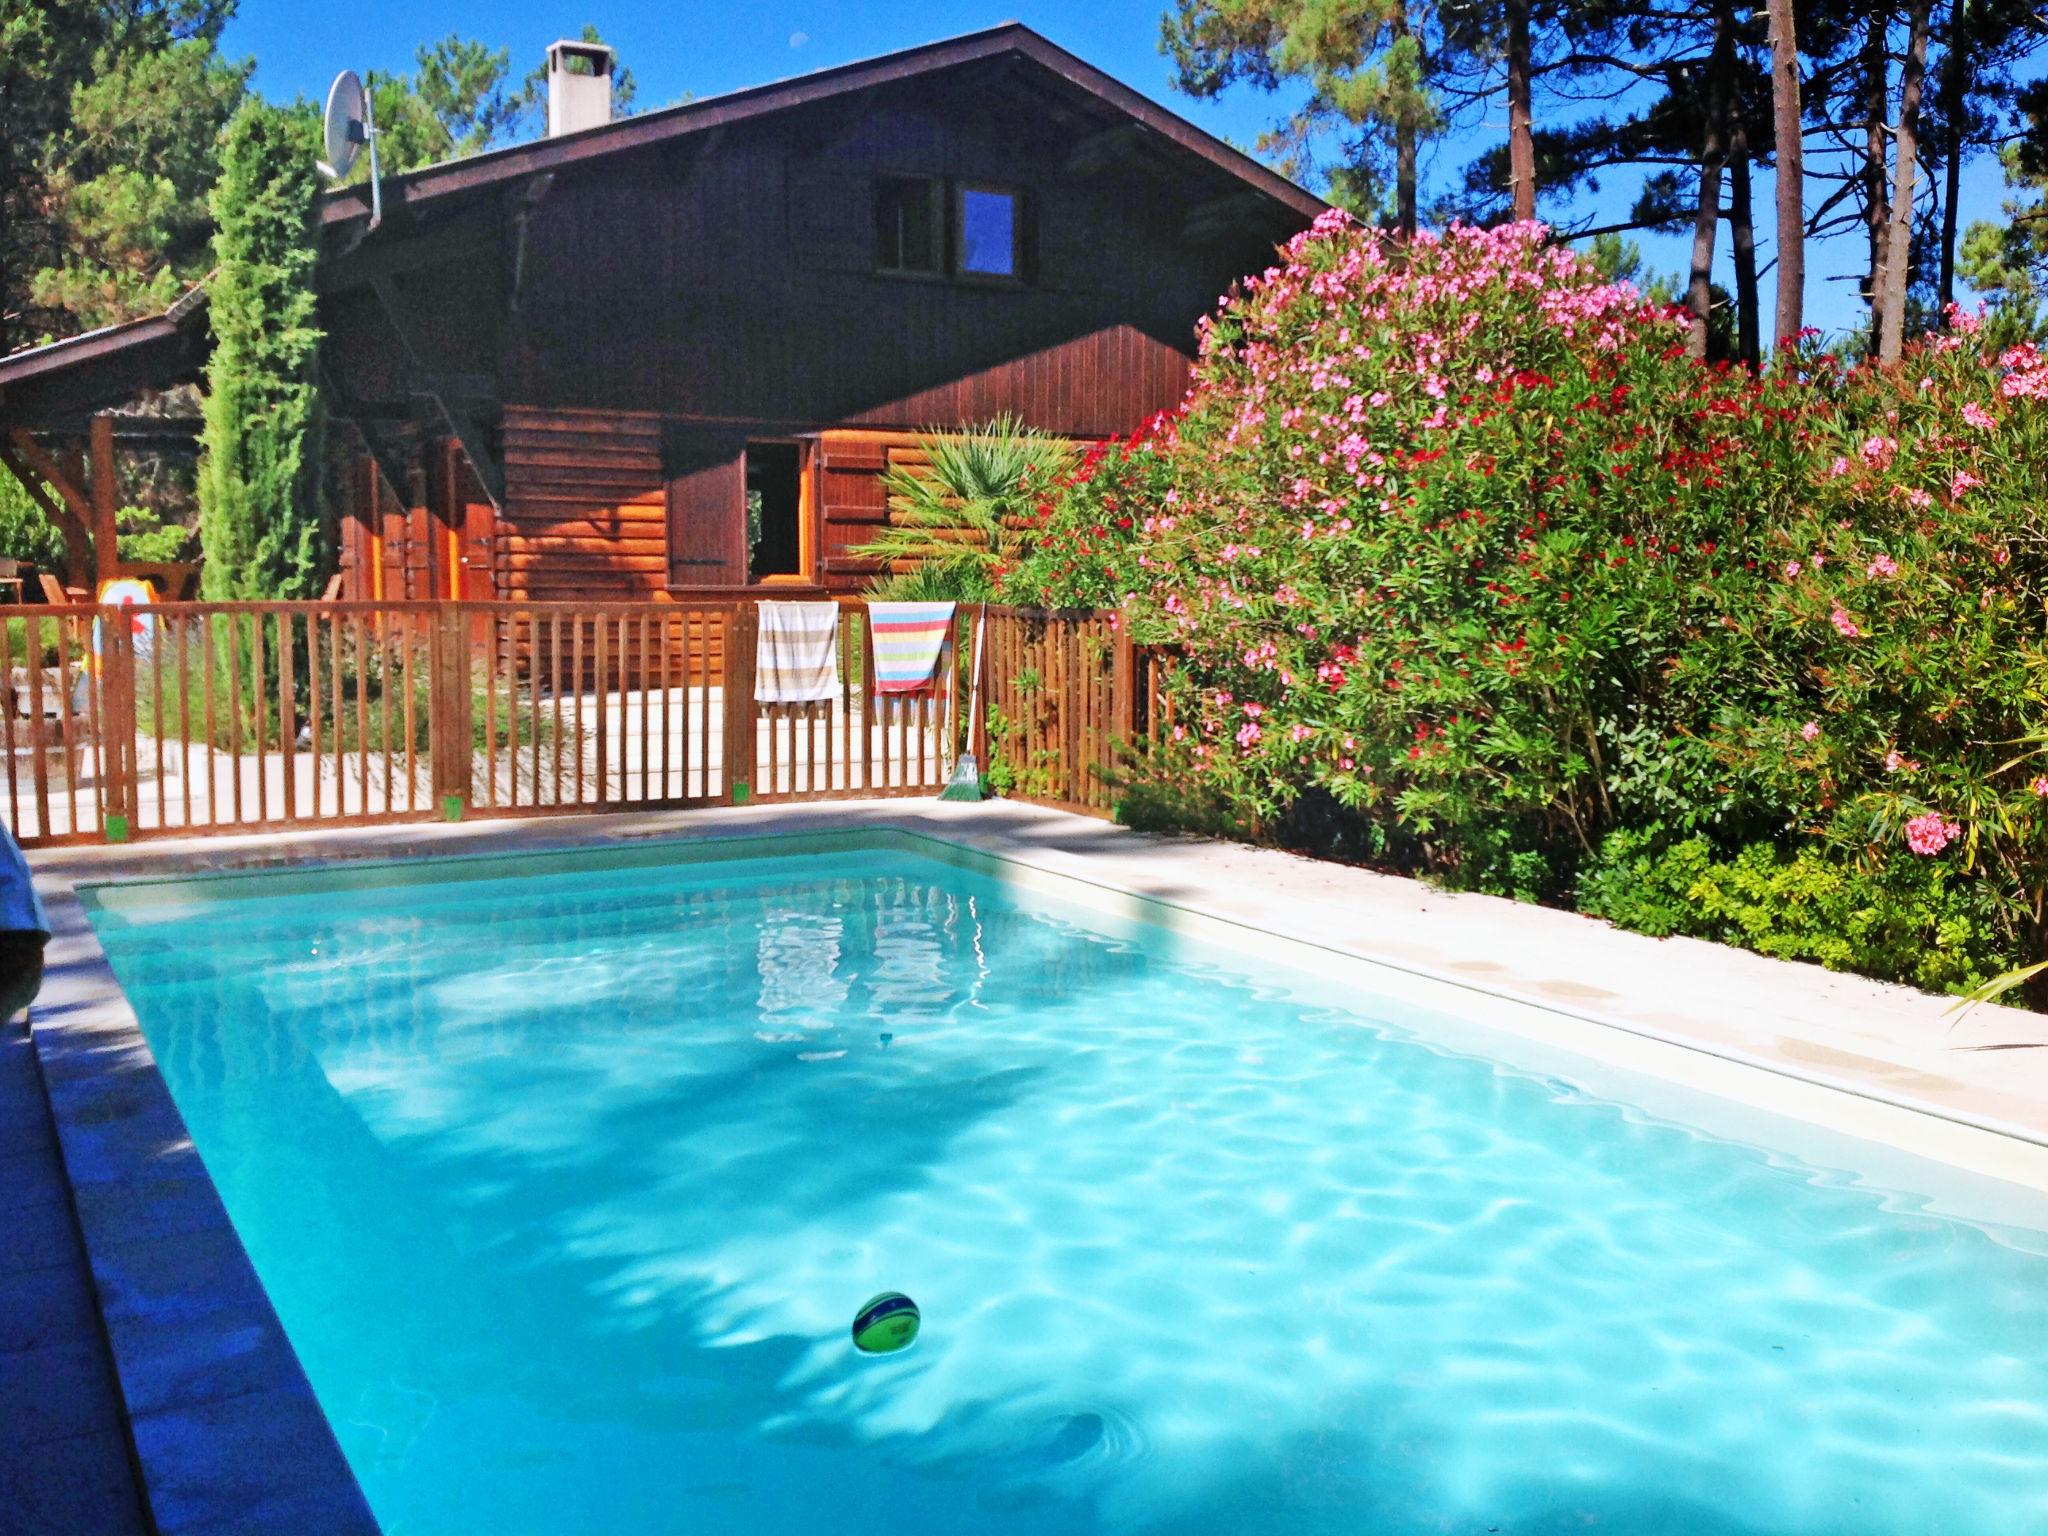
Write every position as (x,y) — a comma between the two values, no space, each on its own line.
(352,203)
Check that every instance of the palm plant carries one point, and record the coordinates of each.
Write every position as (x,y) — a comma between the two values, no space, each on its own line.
(956,520)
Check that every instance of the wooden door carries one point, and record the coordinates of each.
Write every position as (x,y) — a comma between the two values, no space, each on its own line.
(707,508)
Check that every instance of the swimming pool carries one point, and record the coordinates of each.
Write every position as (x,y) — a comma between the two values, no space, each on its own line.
(567,1175)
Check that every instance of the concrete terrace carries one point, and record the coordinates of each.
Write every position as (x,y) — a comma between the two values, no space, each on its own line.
(64,1466)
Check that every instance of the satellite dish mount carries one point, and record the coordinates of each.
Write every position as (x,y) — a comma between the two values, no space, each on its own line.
(347,126)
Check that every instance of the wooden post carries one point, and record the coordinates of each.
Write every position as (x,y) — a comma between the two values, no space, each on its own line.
(117,724)
(740,626)
(977,689)
(449,726)
(1124,683)
(105,548)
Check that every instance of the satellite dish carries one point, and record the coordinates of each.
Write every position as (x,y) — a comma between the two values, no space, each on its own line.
(348,124)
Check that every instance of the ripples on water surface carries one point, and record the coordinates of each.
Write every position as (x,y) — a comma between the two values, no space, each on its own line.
(567,1188)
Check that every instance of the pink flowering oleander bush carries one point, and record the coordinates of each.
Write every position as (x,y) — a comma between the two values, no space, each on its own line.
(1448,540)
(1475,574)
(1084,529)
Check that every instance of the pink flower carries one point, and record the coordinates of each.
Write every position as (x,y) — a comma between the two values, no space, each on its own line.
(1841,620)
(1879,451)
(2039,786)
(1301,733)
(1960,482)
(1819,560)
(1929,834)
(1978,417)
(1919,500)
(1895,761)
(1810,730)
(1791,569)
(1839,468)
(1882,565)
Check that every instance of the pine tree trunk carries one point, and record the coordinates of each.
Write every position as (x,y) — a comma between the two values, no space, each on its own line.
(1899,244)
(1954,69)
(1788,118)
(1699,293)
(1742,237)
(1521,117)
(1404,148)
(1876,210)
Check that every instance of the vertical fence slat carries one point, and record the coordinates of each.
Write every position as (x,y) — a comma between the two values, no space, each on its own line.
(287,714)
(38,715)
(7,720)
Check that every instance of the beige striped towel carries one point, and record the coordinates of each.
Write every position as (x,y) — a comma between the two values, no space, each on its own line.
(796,653)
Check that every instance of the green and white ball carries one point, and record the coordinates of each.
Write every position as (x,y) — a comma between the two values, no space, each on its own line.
(886,1323)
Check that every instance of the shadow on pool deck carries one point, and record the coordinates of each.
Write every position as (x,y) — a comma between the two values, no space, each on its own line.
(63,1449)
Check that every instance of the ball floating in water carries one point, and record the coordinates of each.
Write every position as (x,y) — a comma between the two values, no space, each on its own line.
(887,1323)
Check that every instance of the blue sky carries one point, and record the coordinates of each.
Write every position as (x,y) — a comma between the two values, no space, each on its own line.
(716,45)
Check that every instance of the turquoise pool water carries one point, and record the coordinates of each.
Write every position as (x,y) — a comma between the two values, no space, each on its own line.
(567,1185)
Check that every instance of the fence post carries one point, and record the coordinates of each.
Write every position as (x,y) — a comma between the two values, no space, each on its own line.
(449,728)
(1124,684)
(740,627)
(117,725)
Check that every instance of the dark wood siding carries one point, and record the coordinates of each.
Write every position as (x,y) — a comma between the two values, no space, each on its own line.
(735,284)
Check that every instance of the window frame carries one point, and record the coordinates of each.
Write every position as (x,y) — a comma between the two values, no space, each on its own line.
(936,188)
(957,228)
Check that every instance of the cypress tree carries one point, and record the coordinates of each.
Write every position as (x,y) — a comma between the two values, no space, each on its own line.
(261,524)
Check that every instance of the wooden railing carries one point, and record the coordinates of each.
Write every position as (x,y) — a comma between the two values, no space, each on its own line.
(192,718)
(196,718)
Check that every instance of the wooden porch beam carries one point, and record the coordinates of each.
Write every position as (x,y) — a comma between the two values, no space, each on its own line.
(105,544)
(70,512)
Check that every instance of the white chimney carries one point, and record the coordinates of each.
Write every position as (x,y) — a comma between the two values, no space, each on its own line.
(579,87)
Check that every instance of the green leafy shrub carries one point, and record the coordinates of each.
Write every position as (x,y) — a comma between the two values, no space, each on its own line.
(957,520)
(1918,920)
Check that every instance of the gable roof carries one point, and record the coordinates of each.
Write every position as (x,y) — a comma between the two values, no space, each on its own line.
(1011,39)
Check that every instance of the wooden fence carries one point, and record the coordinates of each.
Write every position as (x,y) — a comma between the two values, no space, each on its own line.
(1071,702)
(196,718)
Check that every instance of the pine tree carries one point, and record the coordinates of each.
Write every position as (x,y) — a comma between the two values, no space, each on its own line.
(1367,66)
(261,526)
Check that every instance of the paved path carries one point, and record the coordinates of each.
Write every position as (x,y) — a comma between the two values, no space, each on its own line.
(63,1451)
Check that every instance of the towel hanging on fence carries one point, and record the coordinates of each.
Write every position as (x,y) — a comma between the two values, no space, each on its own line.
(796,653)
(908,639)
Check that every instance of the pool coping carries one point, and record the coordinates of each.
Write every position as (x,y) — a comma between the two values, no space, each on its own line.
(227,1432)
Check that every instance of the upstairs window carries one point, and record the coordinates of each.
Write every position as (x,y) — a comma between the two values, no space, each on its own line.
(989,230)
(907,225)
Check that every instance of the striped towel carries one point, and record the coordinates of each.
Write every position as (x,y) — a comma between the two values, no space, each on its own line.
(796,653)
(908,639)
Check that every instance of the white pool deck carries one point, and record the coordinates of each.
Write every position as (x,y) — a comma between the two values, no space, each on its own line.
(1885,1063)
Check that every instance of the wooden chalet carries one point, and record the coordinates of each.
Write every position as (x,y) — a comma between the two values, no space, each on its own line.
(672,355)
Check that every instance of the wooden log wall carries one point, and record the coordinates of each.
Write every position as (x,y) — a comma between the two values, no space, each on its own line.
(853,506)
(585,507)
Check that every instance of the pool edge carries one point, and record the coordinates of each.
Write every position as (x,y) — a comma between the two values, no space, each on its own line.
(225,1431)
